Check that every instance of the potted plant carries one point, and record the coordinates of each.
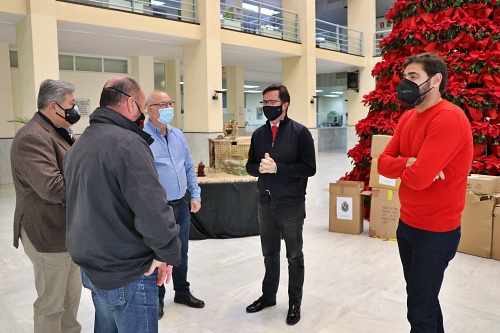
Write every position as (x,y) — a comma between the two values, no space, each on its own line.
(230,21)
(480,131)
(21,120)
(486,165)
(494,139)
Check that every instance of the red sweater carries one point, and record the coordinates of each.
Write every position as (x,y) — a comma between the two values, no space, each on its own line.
(440,138)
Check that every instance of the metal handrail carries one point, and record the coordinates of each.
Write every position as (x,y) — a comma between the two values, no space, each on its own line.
(378,36)
(339,38)
(178,10)
(262,19)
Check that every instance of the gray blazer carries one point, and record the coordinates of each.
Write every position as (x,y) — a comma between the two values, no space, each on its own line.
(36,155)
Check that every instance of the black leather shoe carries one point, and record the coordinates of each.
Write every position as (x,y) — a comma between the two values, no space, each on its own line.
(189,300)
(293,315)
(160,310)
(259,305)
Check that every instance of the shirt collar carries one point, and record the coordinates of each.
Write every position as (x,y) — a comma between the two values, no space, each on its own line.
(156,129)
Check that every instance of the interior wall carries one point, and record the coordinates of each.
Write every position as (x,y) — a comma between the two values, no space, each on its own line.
(253,118)
(87,86)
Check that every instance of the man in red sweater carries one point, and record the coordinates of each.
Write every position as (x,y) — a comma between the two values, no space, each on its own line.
(431,152)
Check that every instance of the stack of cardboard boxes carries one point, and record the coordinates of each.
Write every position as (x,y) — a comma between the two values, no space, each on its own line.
(480,218)
(384,209)
(346,201)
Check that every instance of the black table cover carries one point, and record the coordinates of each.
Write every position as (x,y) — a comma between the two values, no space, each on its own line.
(227,210)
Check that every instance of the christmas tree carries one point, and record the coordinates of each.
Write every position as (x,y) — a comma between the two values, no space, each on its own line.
(466,33)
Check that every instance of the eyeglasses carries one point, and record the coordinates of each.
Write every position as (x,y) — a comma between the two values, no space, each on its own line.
(164,105)
(270,102)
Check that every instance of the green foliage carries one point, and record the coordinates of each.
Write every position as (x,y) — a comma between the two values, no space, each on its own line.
(21,120)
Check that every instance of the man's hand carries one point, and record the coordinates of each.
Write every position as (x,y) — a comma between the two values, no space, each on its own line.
(412,160)
(439,175)
(195,206)
(267,164)
(164,272)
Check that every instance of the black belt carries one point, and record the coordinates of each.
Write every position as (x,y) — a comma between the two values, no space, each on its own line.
(174,202)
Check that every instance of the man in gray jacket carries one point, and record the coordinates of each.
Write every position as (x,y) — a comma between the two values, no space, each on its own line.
(120,229)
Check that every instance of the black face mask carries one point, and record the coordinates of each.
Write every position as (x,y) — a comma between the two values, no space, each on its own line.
(140,121)
(272,112)
(409,92)
(71,115)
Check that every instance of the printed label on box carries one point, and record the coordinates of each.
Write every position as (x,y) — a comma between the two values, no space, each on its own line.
(344,208)
(386,181)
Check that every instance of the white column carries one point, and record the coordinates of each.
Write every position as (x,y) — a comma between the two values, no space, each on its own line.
(235,80)
(37,51)
(7,110)
(144,73)
(173,88)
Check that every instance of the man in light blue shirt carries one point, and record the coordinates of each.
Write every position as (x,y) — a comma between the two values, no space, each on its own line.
(177,175)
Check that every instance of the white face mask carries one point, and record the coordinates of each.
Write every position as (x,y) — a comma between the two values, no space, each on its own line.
(166,115)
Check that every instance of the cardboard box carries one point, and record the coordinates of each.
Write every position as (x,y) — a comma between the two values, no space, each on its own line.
(346,207)
(384,213)
(378,181)
(477,225)
(379,142)
(483,184)
(495,240)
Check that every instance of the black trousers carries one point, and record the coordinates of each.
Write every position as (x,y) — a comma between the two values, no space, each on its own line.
(274,224)
(425,256)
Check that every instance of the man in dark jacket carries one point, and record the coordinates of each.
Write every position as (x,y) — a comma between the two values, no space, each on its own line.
(119,225)
(282,155)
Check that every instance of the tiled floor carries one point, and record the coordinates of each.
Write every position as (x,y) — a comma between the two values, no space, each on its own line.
(353,283)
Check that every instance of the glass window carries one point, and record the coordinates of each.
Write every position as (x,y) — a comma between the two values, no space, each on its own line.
(116,66)
(66,62)
(13,59)
(88,64)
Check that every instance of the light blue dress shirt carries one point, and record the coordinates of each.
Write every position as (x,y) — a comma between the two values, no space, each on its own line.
(173,162)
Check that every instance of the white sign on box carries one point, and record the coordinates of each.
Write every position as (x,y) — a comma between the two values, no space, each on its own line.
(344,208)
(386,181)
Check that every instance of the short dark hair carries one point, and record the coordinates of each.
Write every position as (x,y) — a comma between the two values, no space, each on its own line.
(121,88)
(284,95)
(432,64)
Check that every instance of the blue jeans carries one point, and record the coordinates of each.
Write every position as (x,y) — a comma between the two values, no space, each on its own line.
(179,273)
(132,308)
(273,225)
(425,256)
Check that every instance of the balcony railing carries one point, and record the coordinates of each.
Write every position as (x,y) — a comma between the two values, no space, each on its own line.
(379,35)
(338,38)
(262,19)
(170,9)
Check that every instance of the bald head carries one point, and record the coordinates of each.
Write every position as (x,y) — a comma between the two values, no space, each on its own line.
(118,90)
(123,95)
